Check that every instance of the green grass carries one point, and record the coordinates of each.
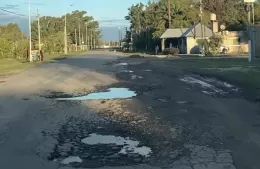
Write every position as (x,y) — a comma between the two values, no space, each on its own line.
(14,65)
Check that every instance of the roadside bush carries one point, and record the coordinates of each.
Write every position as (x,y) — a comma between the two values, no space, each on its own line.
(211,45)
(171,51)
(215,43)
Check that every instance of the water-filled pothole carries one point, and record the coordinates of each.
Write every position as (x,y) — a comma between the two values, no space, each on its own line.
(210,86)
(86,144)
(111,93)
(129,146)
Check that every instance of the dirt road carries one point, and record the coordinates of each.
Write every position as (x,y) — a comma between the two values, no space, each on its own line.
(166,117)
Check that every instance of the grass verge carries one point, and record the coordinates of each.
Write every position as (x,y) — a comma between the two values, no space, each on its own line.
(15,65)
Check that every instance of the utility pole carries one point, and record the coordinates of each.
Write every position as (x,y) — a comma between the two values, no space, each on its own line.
(253,11)
(94,40)
(169,13)
(249,17)
(30,33)
(119,37)
(79,37)
(39,31)
(65,35)
(87,35)
(91,40)
(201,19)
(82,41)
(88,42)
(76,43)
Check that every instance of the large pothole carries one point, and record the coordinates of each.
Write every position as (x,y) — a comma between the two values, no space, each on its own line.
(97,144)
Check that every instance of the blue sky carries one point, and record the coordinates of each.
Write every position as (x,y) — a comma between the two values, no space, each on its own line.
(99,9)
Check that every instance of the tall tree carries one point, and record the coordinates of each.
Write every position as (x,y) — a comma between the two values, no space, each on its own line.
(52,28)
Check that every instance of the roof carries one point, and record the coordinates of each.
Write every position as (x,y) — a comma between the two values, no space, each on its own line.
(196,31)
(174,33)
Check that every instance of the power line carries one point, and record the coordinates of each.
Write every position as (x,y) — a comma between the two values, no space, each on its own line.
(11,12)
(14,13)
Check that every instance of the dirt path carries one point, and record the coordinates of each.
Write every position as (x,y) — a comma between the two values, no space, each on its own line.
(177,120)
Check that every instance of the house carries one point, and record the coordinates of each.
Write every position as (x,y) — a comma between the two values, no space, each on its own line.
(185,38)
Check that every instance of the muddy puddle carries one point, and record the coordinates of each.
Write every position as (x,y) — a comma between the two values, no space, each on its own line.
(111,93)
(82,144)
(210,86)
(125,71)
(129,146)
(121,64)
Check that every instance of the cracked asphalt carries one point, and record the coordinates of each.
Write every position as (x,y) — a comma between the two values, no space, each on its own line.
(189,121)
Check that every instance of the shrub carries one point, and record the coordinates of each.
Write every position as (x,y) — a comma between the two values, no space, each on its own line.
(215,44)
(171,51)
(211,45)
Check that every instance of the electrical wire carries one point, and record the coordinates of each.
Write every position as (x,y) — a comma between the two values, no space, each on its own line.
(14,13)
(106,22)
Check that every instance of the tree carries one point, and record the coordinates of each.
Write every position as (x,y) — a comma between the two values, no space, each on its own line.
(13,43)
(52,29)
(184,13)
(150,22)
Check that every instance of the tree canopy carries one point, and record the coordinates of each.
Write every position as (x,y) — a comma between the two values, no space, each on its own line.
(52,30)
(14,44)
(12,41)
(149,21)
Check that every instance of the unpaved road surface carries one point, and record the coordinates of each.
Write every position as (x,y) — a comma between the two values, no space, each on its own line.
(178,120)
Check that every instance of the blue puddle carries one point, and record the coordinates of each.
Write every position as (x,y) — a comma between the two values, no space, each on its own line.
(111,93)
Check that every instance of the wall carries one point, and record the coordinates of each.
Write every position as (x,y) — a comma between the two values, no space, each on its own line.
(192,45)
(255,37)
(236,41)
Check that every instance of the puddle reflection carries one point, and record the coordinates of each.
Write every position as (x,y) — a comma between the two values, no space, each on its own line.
(112,93)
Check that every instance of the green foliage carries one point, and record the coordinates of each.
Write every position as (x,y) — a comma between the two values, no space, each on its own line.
(204,44)
(52,31)
(171,51)
(149,23)
(215,42)
(14,44)
(212,45)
